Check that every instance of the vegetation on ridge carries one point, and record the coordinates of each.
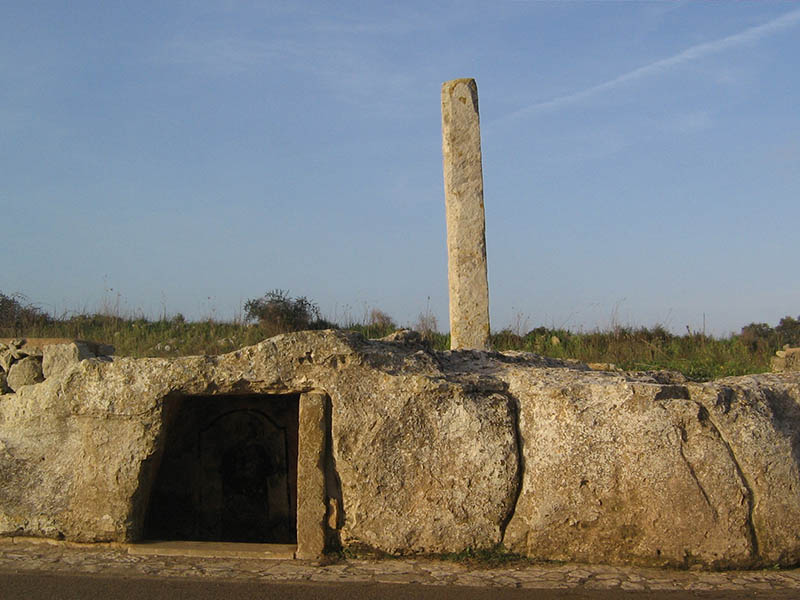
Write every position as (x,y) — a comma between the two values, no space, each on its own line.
(695,354)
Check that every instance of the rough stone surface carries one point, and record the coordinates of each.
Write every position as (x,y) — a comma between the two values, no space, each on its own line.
(59,357)
(635,468)
(437,451)
(438,462)
(24,372)
(53,354)
(466,230)
(758,417)
(312,503)
(79,450)
(787,359)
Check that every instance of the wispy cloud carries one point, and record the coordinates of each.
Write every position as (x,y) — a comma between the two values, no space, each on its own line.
(751,35)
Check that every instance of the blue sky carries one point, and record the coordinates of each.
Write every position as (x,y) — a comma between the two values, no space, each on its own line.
(641,159)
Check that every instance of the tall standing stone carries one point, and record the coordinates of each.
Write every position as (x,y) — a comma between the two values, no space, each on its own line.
(466,228)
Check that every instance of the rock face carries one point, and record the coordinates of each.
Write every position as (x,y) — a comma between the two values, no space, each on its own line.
(759,419)
(421,464)
(637,468)
(408,451)
(425,466)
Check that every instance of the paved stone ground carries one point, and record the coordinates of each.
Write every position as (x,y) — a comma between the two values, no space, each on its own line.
(26,555)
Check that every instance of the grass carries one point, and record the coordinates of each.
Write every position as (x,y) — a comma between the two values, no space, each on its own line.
(699,357)
(487,558)
(142,337)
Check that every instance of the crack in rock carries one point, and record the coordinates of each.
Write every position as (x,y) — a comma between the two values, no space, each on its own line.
(751,502)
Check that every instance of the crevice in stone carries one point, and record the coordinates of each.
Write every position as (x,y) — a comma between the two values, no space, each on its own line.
(335,515)
(672,392)
(684,439)
(514,407)
(705,416)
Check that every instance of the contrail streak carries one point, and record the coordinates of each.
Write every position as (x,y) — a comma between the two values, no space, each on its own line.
(752,34)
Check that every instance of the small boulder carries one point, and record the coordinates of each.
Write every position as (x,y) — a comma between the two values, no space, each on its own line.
(25,372)
(59,357)
(787,359)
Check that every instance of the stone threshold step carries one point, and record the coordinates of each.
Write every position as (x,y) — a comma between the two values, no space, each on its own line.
(214,550)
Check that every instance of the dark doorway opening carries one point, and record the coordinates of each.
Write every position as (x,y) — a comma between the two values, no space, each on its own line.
(228,472)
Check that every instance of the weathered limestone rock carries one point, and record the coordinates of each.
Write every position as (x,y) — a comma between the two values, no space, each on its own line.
(758,417)
(466,230)
(24,372)
(59,357)
(438,463)
(84,445)
(406,450)
(787,359)
(624,471)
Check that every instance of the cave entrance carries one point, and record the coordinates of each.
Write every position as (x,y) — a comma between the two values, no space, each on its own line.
(228,472)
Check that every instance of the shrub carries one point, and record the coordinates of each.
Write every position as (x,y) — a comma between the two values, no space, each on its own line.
(17,314)
(758,337)
(380,320)
(280,313)
(426,325)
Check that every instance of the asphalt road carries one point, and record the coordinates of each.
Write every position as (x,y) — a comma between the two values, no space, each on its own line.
(41,586)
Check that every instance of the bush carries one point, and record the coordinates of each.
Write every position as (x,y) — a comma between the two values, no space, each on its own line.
(427,325)
(758,337)
(278,312)
(17,314)
(380,320)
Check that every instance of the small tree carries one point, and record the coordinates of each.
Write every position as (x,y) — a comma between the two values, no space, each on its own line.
(788,331)
(280,313)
